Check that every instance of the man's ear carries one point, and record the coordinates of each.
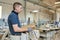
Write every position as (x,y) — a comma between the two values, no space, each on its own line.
(15,8)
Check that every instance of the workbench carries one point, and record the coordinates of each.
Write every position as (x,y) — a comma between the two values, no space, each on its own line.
(3,33)
(48,34)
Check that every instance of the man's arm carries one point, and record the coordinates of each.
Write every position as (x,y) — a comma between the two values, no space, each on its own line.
(23,29)
(17,29)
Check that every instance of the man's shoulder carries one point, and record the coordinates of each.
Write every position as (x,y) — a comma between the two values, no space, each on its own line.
(12,14)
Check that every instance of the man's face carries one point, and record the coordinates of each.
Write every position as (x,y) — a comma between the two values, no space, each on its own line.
(19,8)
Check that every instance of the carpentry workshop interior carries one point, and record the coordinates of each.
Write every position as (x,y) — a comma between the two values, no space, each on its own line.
(38,20)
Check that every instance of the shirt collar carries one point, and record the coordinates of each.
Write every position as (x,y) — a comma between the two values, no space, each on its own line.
(15,12)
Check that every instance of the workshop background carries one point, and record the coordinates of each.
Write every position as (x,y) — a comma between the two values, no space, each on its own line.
(44,13)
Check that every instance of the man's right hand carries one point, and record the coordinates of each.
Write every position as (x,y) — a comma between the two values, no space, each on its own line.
(32,26)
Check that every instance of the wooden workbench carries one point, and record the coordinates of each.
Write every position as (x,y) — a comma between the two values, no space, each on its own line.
(48,29)
(48,33)
(3,33)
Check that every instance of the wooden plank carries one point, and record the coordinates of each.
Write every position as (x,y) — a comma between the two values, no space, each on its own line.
(1,36)
(47,30)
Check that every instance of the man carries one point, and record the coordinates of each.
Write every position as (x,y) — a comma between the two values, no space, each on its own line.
(14,24)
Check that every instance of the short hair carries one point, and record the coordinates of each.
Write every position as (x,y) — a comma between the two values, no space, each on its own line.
(15,4)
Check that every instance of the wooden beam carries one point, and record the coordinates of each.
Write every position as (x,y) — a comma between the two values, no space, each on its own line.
(41,4)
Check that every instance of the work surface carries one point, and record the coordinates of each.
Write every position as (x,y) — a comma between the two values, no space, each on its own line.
(3,32)
(48,29)
(40,29)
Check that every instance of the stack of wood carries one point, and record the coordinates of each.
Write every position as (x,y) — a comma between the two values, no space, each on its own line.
(1,36)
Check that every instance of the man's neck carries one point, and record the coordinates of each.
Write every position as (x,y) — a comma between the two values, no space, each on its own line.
(15,11)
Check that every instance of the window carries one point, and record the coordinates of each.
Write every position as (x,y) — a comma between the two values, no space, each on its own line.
(0,12)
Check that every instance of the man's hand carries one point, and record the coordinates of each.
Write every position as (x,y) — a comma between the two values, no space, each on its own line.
(32,26)
(29,27)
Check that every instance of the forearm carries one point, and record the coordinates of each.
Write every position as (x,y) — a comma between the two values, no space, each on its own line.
(21,29)
(24,29)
